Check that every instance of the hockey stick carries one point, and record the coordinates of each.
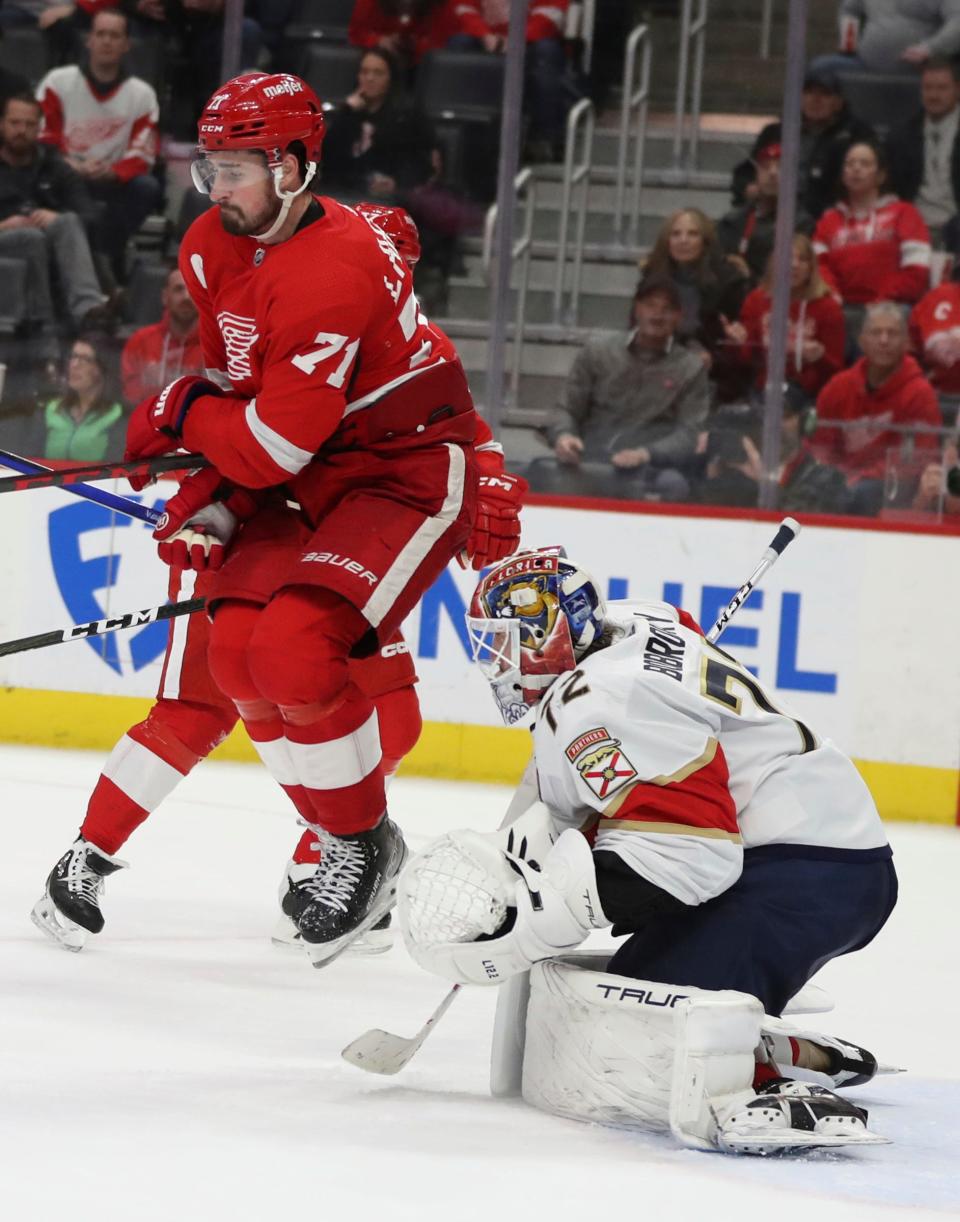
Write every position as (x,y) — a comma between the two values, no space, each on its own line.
(62,476)
(382,1052)
(98,627)
(100,496)
(789,529)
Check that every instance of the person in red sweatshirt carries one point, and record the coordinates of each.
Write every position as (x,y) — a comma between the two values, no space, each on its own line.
(483,25)
(872,246)
(874,408)
(935,336)
(816,335)
(156,354)
(407,29)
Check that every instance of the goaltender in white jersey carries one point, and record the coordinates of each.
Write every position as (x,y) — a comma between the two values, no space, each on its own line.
(738,850)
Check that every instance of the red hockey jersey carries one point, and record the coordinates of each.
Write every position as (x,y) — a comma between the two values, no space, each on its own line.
(545,18)
(880,255)
(313,337)
(935,327)
(820,320)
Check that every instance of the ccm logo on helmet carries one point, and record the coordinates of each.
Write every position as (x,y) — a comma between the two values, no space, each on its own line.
(341,562)
(287,85)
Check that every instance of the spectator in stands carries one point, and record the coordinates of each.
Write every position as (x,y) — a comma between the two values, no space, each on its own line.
(60,23)
(198,28)
(105,124)
(87,423)
(827,129)
(815,338)
(408,29)
(879,404)
(805,485)
(43,205)
(935,335)
(156,354)
(710,286)
(872,246)
(483,26)
(747,233)
(889,36)
(924,153)
(380,147)
(631,412)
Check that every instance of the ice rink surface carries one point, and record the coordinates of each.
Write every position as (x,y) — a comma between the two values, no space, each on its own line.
(183,1068)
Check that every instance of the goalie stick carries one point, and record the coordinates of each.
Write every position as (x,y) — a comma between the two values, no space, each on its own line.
(99,496)
(98,627)
(61,476)
(382,1052)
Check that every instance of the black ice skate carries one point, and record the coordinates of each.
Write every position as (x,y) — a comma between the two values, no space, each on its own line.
(295,896)
(848,1064)
(792,1117)
(353,888)
(70,907)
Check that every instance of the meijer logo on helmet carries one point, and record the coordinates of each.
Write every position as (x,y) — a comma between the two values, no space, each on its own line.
(288,85)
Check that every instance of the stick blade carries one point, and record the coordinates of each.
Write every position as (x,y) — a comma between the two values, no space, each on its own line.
(380,1052)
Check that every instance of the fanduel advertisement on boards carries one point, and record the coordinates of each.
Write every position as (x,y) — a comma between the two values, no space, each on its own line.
(851,630)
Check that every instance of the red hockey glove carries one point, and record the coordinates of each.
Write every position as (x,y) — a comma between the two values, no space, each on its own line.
(496,530)
(156,423)
(200,520)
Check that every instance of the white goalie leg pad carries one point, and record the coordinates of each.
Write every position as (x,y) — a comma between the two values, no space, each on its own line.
(635,1053)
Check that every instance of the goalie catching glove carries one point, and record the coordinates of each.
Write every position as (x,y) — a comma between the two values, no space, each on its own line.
(199,522)
(472,912)
(496,529)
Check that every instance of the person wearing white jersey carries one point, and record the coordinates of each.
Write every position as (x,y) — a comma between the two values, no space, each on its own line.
(736,849)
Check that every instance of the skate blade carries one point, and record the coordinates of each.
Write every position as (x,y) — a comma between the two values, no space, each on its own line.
(793,1142)
(882,1069)
(286,936)
(57,928)
(323,953)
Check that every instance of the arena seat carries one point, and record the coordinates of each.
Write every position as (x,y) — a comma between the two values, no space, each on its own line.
(881,101)
(317,21)
(463,85)
(24,51)
(13,288)
(331,70)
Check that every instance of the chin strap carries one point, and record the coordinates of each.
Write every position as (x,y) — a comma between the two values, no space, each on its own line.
(287,198)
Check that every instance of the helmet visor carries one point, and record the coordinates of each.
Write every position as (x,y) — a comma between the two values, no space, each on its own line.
(227,172)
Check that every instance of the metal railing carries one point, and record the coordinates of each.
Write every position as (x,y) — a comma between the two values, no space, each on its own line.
(525,185)
(576,174)
(636,97)
(766,28)
(581,22)
(692,37)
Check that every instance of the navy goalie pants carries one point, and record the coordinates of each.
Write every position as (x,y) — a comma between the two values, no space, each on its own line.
(792,910)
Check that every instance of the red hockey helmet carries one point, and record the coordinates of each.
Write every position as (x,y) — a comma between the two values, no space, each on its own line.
(399,226)
(265,111)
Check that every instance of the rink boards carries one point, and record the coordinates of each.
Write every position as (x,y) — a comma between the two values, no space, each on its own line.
(854,632)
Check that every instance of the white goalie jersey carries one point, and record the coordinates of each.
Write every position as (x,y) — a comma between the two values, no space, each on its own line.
(680,759)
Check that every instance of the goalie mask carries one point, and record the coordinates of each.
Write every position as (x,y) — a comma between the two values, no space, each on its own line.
(530,620)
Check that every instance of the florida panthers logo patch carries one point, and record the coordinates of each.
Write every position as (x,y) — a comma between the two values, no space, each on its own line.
(606,769)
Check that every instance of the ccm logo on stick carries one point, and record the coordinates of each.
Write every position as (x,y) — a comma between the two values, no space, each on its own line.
(341,562)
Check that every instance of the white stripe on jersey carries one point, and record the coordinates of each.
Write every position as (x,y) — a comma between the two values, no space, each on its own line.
(396,578)
(284,453)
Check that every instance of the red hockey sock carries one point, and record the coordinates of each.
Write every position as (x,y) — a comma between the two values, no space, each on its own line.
(147,764)
(398,713)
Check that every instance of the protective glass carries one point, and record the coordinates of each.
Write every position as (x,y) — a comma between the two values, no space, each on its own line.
(225,172)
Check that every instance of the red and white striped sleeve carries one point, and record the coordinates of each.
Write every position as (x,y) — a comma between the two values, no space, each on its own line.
(141,152)
(547,19)
(51,106)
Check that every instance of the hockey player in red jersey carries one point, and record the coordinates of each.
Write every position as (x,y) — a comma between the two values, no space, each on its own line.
(192,716)
(338,400)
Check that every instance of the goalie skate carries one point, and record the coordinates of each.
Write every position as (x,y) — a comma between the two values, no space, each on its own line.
(69,909)
(792,1117)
